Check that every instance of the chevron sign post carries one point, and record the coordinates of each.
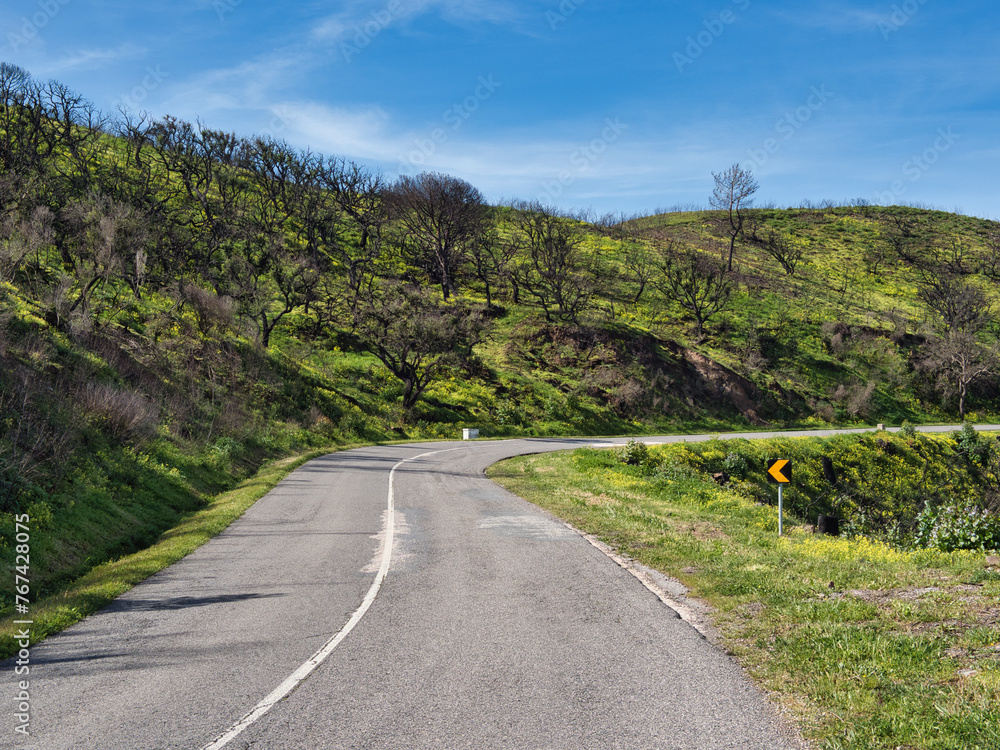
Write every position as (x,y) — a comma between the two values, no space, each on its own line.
(779,471)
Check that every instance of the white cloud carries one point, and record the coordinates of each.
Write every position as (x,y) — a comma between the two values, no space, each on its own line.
(244,87)
(361,133)
(93,59)
(572,169)
(372,16)
(835,17)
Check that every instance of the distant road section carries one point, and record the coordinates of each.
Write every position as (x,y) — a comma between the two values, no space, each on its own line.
(484,624)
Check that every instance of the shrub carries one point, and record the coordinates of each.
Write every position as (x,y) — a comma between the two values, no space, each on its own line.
(222,452)
(736,465)
(957,526)
(213,311)
(123,412)
(972,445)
(507,413)
(673,469)
(633,453)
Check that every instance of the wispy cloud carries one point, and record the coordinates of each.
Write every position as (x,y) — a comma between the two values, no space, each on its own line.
(246,86)
(93,59)
(476,10)
(514,163)
(368,15)
(837,17)
(362,133)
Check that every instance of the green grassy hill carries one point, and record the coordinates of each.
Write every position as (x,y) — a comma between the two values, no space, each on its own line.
(178,305)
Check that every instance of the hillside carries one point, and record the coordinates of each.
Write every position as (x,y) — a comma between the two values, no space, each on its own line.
(179,304)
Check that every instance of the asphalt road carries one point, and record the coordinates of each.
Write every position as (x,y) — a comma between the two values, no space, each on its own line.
(486,624)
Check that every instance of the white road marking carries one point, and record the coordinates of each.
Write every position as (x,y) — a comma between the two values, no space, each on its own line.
(300,674)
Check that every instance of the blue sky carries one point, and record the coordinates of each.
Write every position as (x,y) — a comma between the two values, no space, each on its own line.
(582,104)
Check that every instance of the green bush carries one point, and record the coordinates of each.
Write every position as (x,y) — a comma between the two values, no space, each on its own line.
(672,469)
(972,445)
(507,413)
(957,526)
(736,465)
(633,453)
(222,453)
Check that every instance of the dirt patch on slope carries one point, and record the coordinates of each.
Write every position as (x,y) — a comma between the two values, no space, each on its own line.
(638,374)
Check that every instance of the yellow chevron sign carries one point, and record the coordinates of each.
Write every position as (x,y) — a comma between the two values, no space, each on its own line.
(780,470)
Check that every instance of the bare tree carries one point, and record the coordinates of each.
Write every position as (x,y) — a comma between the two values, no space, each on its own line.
(958,360)
(415,336)
(550,267)
(733,195)
(989,262)
(361,196)
(783,249)
(640,265)
(335,209)
(135,178)
(21,125)
(208,187)
(955,258)
(74,128)
(901,232)
(876,254)
(961,304)
(633,253)
(267,275)
(23,241)
(108,242)
(441,218)
(491,262)
(694,282)
(956,357)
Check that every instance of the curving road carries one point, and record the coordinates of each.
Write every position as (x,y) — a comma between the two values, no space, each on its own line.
(485,624)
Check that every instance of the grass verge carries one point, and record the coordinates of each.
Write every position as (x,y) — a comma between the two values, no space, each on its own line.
(103,583)
(870,647)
